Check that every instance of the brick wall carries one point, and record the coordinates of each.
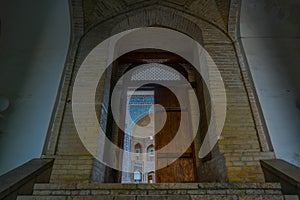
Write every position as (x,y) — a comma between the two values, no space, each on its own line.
(240,144)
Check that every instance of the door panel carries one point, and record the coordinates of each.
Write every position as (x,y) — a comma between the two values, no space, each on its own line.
(182,169)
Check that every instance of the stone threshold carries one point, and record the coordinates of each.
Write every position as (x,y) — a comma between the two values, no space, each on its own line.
(174,186)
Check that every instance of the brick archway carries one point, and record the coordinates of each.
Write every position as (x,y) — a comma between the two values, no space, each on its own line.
(63,140)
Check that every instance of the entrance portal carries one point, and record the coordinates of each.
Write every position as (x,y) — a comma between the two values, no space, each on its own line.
(147,132)
(138,108)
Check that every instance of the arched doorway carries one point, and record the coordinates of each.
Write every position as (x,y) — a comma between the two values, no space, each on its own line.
(186,167)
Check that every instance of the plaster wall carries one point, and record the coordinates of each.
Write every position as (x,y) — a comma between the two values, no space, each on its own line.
(270,34)
(34,42)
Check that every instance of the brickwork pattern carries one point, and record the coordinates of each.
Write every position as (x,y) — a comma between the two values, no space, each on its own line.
(96,11)
(175,191)
(240,143)
(68,169)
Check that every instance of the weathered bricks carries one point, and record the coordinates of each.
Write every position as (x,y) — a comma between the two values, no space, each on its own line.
(240,142)
(157,191)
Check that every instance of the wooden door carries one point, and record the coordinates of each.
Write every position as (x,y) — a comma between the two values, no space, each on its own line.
(183,169)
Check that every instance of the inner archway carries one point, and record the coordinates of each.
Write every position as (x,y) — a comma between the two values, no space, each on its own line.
(188,167)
